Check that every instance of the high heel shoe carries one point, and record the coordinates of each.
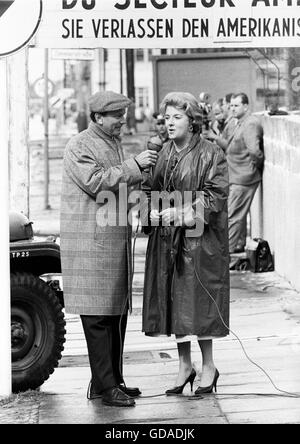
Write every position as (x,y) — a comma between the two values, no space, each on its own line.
(209,388)
(179,388)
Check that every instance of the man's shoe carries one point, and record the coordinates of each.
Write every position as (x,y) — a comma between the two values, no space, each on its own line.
(132,392)
(114,397)
(92,393)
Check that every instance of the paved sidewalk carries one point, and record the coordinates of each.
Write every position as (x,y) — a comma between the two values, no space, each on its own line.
(264,313)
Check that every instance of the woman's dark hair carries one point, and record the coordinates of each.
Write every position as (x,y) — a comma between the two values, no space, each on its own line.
(186,102)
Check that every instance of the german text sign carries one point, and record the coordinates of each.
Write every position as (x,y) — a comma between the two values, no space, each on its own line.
(169,23)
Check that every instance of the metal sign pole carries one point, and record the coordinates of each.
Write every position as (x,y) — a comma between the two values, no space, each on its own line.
(5,342)
(46,132)
(121,72)
(19,155)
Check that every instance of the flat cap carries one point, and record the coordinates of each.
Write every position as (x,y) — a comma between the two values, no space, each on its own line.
(160,118)
(107,101)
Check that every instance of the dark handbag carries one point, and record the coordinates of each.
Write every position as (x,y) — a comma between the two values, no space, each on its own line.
(260,257)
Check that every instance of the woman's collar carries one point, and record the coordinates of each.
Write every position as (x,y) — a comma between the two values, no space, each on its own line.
(169,147)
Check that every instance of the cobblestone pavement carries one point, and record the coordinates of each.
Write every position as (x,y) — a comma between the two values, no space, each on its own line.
(21,409)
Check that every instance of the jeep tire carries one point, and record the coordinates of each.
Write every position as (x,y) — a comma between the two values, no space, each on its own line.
(37,331)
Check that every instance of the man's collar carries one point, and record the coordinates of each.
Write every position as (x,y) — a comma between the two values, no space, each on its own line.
(96,128)
(229,118)
(245,116)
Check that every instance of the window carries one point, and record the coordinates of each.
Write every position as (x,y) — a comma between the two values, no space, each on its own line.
(142,97)
(139,55)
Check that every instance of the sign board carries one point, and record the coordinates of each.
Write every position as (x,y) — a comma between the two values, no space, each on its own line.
(169,23)
(73,54)
(19,22)
(39,87)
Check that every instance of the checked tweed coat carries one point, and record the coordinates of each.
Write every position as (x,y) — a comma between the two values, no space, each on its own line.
(96,259)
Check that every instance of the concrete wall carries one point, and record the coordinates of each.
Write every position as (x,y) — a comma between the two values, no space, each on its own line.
(275,213)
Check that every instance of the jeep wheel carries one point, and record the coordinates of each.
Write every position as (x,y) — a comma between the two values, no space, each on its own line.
(37,331)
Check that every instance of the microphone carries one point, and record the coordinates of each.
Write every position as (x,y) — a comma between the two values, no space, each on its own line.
(155,144)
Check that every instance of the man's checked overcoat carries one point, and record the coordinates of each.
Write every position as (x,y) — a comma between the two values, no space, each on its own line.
(96,259)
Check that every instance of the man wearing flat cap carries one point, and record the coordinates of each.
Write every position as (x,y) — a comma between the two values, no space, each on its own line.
(160,126)
(96,257)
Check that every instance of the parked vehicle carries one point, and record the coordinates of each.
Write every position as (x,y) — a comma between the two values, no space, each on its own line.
(37,318)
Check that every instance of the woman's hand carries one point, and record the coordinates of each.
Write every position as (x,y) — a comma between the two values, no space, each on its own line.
(154,217)
(169,215)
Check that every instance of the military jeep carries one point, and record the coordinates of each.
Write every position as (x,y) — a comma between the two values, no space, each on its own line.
(37,318)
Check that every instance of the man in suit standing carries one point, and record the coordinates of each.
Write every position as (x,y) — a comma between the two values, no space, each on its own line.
(96,257)
(222,138)
(245,163)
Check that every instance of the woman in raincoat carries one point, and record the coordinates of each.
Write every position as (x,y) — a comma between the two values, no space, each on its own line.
(186,290)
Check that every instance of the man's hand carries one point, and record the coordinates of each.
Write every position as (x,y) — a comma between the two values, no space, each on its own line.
(210,134)
(147,159)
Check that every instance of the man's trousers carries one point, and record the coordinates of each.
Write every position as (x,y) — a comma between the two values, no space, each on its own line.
(105,337)
(239,203)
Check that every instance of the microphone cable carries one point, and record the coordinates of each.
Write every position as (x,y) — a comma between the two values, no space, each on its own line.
(283,393)
(286,393)
(125,305)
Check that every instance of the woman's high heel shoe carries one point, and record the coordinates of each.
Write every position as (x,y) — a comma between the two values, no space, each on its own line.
(209,388)
(179,389)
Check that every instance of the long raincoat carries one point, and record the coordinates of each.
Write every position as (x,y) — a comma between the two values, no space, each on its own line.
(183,274)
(96,259)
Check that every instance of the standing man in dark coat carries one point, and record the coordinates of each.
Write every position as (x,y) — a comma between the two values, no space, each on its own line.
(96,257)
(245,163)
